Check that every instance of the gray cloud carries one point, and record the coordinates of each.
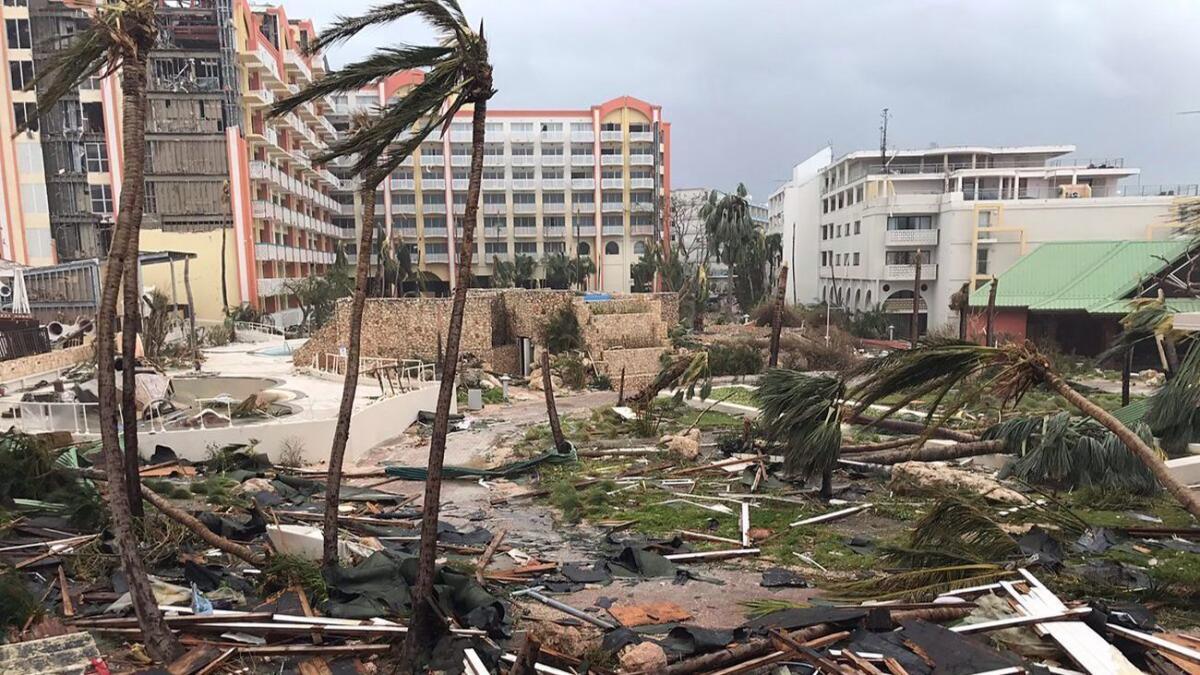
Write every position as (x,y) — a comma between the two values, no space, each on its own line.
(753,87)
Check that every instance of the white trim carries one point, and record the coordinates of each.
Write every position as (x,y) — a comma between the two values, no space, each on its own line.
(237,200)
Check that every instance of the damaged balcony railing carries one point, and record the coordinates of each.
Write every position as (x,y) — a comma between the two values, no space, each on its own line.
(84,418)
(405,376)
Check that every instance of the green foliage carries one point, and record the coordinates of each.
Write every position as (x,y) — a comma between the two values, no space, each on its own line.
(245,313)
(156,323)
(519,272)
(29,468)
(563,272)
(318,296)
(802,413)
(736,240)
(734,358)
(576,504)
(920,584)
(1069,453)
(601,382)
(570,368)
(871,324)
(285,571)
(1173,414)
(643,271)
(561,331)
(954,531)
(17,602)
(220,490)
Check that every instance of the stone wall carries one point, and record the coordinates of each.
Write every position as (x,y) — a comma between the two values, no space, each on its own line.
(527,311)
(15,370)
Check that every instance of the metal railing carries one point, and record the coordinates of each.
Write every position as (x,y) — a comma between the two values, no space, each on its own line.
(336,364)
(404,376)
(267,328)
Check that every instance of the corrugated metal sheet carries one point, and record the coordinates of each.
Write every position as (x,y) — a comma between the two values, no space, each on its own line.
(1091,276)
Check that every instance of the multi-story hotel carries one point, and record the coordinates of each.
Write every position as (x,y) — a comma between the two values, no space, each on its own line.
(241,192)
(592,182)
(966,213)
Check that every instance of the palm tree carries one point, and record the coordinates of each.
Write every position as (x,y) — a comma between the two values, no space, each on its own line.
(803,413)
(579,269)
(457,73)
(941,367)
(119,37)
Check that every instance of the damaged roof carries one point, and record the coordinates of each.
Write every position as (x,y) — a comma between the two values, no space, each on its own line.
(1086,276)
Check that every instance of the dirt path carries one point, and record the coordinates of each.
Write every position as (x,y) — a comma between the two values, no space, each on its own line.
(533,528)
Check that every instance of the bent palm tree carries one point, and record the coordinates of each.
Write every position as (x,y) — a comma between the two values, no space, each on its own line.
(457,73)
(941,366)
(803,413)
(119,37)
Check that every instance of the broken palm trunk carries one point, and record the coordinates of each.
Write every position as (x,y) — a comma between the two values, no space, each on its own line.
(934,453)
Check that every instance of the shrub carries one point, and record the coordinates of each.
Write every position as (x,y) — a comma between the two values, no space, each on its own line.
(764,315)
(871,324)
(734,358)
(561,332)
(571,369)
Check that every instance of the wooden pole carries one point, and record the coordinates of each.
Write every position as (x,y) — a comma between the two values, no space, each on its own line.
(991,314)
(915,329)
(187,288)
(551,409)
(1126,373)
(964,311)
(777,316)
(621,389)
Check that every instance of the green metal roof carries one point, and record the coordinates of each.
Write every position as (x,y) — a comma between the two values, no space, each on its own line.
(1089,276)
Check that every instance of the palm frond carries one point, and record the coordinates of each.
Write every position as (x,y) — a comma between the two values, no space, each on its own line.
(355,76)
(1149,318)
(803,413)
(1065,452)
(957,527)
(919,584)
(444,15)
(1172,413)
(764,606)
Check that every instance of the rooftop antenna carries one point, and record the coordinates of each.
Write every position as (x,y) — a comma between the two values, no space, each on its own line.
(883,124)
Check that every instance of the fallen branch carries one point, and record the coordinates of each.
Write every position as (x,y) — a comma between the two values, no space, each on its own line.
(882,445)
(934,453)
(904,427)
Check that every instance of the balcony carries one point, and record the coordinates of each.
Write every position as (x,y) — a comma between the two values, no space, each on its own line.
(407,208)
(554,208)
(612,183)
(556,232)
(641,160)
(269,287)
(459,208)
(493,160)
(641,137)
(460,184)
(260,97)
(460,135)
(612,160)
(641,229)
(606,136)
(433,183)
(525,208)
(495,209)
(583,137)
(583,183)
(554,184)
(403,184)
(520,136)
(911,238)
(641,183)
(460,160)
(585,231)
(614,206)
(909,272)
(902,306)
(435,231)
(524,160)
(552,160)
(614,229)
(437,257)
(641,207)
(295,62)
(433,208)
(525,232)
(583,207)
(493,184)
(583,160)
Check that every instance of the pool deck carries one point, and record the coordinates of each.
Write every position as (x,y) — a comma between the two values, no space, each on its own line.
(317,396)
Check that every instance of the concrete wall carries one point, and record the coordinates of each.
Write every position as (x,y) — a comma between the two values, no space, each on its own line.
(371,426)
(205,269)
(38,364)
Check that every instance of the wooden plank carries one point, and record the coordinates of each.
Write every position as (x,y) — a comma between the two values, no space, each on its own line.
(1155,642)
(834,515)
(216,663)
(486,558)
(193,660)
(64,590)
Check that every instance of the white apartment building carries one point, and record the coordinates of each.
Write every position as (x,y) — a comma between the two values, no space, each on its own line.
(793,211)
(966,213)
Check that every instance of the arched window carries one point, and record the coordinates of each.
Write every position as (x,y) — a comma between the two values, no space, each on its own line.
(869,300)
(639,248)
(824,293)
(839,297)
(857,299)
(612,248)
(583,248)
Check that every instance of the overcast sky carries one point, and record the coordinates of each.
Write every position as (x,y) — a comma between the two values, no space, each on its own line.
(752,87)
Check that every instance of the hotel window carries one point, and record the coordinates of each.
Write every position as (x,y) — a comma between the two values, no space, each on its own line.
(402,174)
(583,197)
(522,150)
(21,74)
(493,127)
(518,127)
(856,259)
(610,126)
(493,149)
(428,198)
(460,149)
(404,198)
(554,221)
(552,173)
(858,227)
(18,33)
(906,257)
(525,247)
(581,149)
(981,261)
(432,173)
(496,248)
(552,149)
(552,127)
(435,222)
(494,198)
(16,3)
(25,113)
(612,248)
(493,223)
(97,156)
(859,190)
(555,246)
(613,221)
(524,223)
(582,172)
(523,174)
(524,198)
(911,222)
(101,197)
(638,128)
(492,173)
(611,173)
(433,249)
(553,198)
(581,126)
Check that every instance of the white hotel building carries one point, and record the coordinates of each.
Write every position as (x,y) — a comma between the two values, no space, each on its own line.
(968,212)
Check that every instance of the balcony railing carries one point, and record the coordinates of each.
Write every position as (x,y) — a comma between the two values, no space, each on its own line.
(494,183)
(583,183)
(641,207)
(493,160)
(554,207)
(524,208)
(403,184)
(433,183)
(614,206)
(641,229)
(583,160)
(435,231)
(583,207)
(524,160)
(460,183)
(612,183)
(612,160)
(494,209)
(909,272)
(460,160)
(614,229)
(552,160)
(552,136)
(558,231)
(641,136)
(583,137)
(524,184)
(585,231)
(433,207)
(437,257)
(641,159)
(525,232)
(911,238)
(554,184)
(641,183)
(903,306)
(611,136)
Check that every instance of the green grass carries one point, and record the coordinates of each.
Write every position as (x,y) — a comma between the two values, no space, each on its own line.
(738,395)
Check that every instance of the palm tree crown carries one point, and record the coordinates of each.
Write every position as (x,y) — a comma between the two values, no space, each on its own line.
(456,70)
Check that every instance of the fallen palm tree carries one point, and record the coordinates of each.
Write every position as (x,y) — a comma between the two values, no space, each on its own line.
(933,453)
